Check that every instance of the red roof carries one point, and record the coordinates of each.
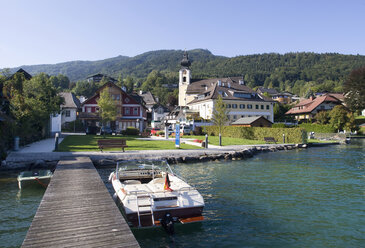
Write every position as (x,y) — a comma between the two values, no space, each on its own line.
(308,105)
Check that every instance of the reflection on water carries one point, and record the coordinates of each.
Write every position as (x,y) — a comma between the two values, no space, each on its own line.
(307,198)
(17,209)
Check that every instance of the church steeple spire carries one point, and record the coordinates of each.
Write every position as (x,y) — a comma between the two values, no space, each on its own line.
(185,62)
(184,79)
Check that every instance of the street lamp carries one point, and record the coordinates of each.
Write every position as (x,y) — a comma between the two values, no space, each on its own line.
(166,131)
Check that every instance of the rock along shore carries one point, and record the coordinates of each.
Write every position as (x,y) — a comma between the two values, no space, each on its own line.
(17,161)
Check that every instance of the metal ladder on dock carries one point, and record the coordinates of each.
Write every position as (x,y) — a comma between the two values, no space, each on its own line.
(145,205)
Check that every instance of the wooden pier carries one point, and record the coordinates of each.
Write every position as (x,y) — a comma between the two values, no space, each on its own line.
(78,211)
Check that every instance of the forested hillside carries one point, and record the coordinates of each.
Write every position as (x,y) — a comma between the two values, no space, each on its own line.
(299,73)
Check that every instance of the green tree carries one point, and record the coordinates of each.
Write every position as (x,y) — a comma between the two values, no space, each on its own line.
(129,84)
(60,82)
(354,88)
(280,110)
(338,117)
(31,104)
(108,109)
(322,117)
(84,88)
(172,100)
(220,116)
(350,123)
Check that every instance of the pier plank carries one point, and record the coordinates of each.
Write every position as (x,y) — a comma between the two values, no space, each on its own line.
(78,211)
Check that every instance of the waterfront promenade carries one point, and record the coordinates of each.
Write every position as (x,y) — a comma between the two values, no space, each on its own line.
(40,153)
(78,211)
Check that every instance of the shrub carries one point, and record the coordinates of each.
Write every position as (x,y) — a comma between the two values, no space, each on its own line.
(198,131)
(131,131)
(362,131)
(76,125)
(161,133)
(279,125)
(309,127)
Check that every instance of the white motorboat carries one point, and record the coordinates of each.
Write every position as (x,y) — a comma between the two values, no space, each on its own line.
(39,178)
(152,195)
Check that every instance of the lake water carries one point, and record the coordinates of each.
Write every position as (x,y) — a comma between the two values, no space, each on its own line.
(300,198)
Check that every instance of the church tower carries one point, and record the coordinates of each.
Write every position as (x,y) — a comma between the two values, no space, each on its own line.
(184,79)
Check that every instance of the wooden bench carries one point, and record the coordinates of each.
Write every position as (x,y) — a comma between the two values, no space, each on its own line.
(112,143)
(269,139)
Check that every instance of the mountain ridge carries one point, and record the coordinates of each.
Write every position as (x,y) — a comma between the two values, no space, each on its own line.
(283,71)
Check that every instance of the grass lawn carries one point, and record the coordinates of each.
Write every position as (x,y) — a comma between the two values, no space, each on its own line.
(83,143)
(226,141)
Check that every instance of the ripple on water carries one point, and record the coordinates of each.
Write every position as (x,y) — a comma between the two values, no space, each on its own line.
(306,198)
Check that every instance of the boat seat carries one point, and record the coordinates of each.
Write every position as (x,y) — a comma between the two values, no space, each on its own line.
(157,180)
(132,182)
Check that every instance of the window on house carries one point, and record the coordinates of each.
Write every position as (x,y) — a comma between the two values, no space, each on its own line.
(257,106)
(96,109)
(184,79)
(135,111)
(88,110)
(242,106)
(262,106)
(222,93)
(249,106)
(267,107)
(68,114)
(235,117)
(228,105)
(234,106)
(126,111)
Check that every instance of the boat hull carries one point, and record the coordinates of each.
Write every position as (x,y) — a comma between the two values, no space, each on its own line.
(184,215)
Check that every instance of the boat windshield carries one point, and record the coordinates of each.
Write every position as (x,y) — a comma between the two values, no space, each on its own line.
(132,165)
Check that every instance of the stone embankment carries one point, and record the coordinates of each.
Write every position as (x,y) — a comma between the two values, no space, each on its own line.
(232,155)
(16,161)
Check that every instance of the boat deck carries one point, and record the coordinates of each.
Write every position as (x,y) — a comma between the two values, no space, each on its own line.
(78,211)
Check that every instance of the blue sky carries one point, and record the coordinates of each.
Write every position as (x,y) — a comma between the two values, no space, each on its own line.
(50,31)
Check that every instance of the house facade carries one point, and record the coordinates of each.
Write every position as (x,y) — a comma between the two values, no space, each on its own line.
(283,97)
(70,108)
(68,112)
(240,100)
(130,111)
(308,108)
(159,112)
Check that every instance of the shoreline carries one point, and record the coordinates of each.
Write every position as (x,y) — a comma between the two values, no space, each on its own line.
(49,160)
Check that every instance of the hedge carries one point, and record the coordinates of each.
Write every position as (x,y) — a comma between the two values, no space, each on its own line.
(292,135)
(279,125)
(131,131)
(317,128)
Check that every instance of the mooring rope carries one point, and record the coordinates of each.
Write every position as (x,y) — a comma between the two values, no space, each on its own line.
(39,181)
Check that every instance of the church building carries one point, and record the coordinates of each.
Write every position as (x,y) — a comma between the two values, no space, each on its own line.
(201,96)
